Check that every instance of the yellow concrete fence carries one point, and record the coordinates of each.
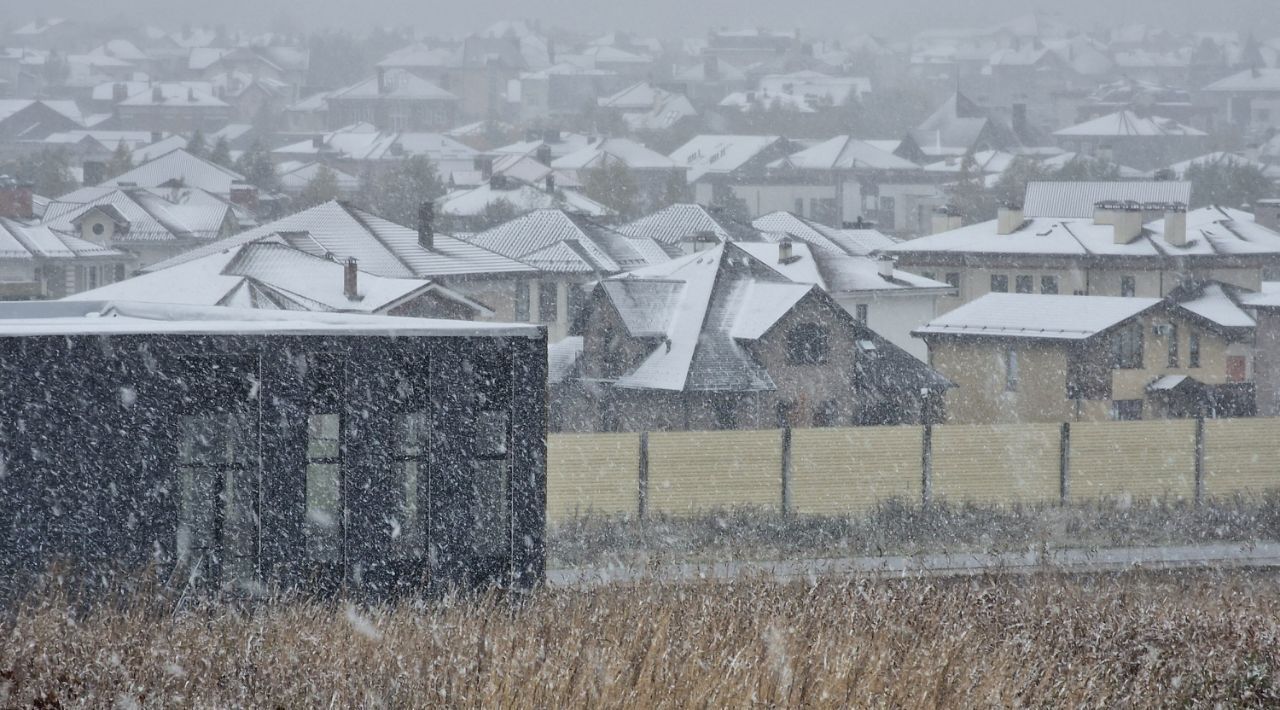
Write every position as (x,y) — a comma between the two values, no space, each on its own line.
(842,471)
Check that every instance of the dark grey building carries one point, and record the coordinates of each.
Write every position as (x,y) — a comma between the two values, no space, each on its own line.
(238,451)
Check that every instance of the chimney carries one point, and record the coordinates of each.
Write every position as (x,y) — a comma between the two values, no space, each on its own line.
(15,199)
(945,219)
(382,81)
(884,265)
(1175,224)
(484,163)
(1125,219)
(785,251)
(156,137)
(1266,213)
(1009,218)
(119,92)
(426,225)
(350,277)
(710,67)
(551,183)
(543,154)
(245,195)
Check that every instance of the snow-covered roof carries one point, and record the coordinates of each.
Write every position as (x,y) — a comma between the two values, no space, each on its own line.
(380,246)
(721,154)
(1077,199)
(180,167)
(28,241)
(1218,158)
(686,221)
(844,153)
(1261,79)
(523,197)
(394,84)
(1037,316)
(175,95)
(853,242)
(362,141)
(147,217)
(420,56)
(35,318)
(1215,302)
(555,241)
(1128,123)
(562,358)
(608,151)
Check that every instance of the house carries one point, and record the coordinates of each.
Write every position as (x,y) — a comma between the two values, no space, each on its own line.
(507,197)
(654,175)
(1265,307)
(339,231)
(392,100)
(843,180)
(685,228)
(645,107)
(179,169)
(721,339)
(716,163)
(1057,358)
(174,107)
(1249,99)
(25,119)
(140,222)
(960,126)
(1145,142)
(37,263)
(362,147)
(889,301)
(567,251)
(422,60)
(562,91)
(296,176)
(710,80)
(1122,249)
(272,275)
(291,446)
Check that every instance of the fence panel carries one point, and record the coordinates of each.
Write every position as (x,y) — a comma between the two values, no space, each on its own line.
(1241,456)
(842,471)
(1144,460)
(596,473)
(692,471)
(997,465)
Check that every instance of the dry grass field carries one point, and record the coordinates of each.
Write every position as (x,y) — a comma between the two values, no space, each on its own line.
(1136,639)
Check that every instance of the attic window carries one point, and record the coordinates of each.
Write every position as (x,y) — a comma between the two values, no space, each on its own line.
(98,228)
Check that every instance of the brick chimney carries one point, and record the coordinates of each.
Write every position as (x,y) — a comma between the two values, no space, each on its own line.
(350,280)
(245,195)
(15,199)
(426,228)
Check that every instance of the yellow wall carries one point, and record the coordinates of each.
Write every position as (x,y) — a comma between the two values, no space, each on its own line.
(839,471)
(592,473)
(691,471)
(1241,456)
(978,370)
(1145,460)
(1016,463)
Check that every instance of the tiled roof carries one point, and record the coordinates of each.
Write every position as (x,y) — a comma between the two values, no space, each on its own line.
(682,221)
(179,166)
(150,218)
(553,240)
(25,241)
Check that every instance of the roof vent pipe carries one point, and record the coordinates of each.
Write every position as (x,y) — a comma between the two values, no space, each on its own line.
(884,265)
(426,226)
(349,280)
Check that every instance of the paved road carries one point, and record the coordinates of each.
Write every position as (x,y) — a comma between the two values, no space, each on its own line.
(1264,554)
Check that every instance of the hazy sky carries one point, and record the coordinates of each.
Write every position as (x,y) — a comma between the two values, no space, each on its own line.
(676,17)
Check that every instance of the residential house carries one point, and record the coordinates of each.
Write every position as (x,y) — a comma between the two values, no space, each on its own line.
(645,107)
(890,301)
(961,126)
(474,208)
(654,175)
(392,100)
(721,339)
(1123,249)
(1249,99)
(685,228)
(177,169)
(715,164)
(140,222)
(1145,142)
(422,60)
(26,120)
(562,91)
(710,80)
(568,251)
(361,148)
(1265,307)
(174,107)
(1056,358)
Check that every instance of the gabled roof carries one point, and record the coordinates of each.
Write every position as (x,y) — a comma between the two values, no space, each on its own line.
(419,55)
(398,84)
(523,197)
(1077,199)
(608,151)
(142,215)
(555,241)
(1037,316)
(1129,124)
(714,153)
(844,153)
(380,246)
(1222,305)
(29,241)
(180,167)
(956,127)
(853,242)
(1261,79)
(686,221)
(267,274)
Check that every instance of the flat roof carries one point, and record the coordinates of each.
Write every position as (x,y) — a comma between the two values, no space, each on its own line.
(1040,316)
(32,318)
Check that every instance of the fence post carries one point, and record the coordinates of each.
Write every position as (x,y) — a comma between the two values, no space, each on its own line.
(1064,463)
(1199,460)
(642,482)
(786,470)
(926,465)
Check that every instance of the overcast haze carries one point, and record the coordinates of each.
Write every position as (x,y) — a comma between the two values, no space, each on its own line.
(675,17)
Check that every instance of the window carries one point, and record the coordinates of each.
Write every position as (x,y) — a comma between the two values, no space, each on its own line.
(413,499)
(807,344)
(93,277)
(999,283)
(98,228)
(217,496)
(860,313)
(1049,284)
(1173,345)
(491,487)
(522,301)
(548,306)
(953,279)
(1237,368)
(1193,349)
(1128,286)
(323,525)
(1126,346)
(1010,370)
(1023,284)
(1126,410)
